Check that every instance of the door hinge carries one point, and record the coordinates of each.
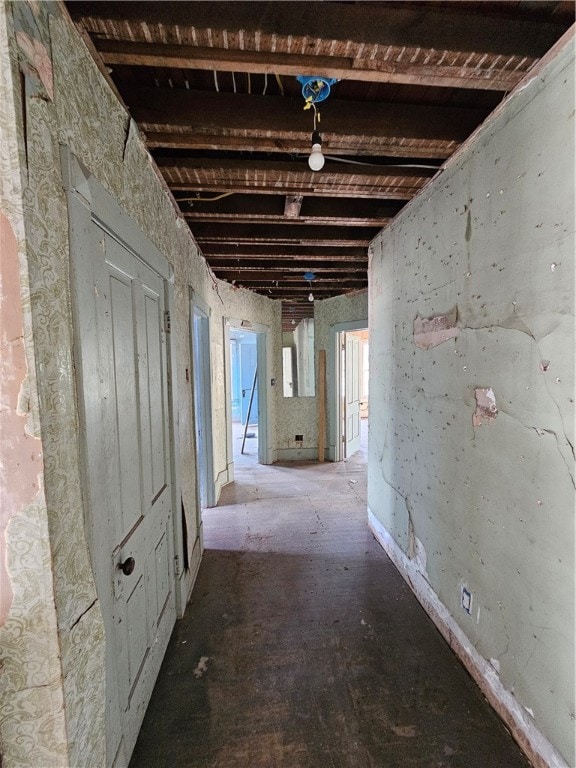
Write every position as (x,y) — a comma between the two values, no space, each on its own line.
(167,321)
(177,565)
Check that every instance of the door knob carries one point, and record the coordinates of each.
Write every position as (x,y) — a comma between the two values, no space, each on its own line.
(127,566)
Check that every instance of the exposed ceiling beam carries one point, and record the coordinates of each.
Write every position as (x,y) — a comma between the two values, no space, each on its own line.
(286,275)
(365,23)
(377,70)
(333,144)
(208,243)
(301,264)
(297,235)
(327,285)
(282,290)
(280,221)
(269,209)
(261,177)
(227,250)
(328,187)
(159,109)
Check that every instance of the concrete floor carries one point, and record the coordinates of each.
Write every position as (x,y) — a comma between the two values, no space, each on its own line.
(303,648)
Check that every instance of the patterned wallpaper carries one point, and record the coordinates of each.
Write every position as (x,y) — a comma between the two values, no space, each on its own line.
(68,102)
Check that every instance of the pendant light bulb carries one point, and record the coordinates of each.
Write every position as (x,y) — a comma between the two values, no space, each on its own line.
(316,159)
(310,296)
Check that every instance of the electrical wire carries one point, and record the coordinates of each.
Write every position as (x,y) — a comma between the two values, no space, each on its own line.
(385,165)
(204,199)
(279,81)
(234,82)
(216,81)
(265,83)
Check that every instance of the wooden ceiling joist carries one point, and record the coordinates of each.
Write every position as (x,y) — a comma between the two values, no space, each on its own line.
(301,266)
(214,243)
(334,144)
(303,234)
(286,275)
(241,114)
(319,251)
(376,70)
(280,221)
(212,87)
(261,177)
(368,24)
(268,209)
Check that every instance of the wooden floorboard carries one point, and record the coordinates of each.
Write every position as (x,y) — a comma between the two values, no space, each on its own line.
(303,648)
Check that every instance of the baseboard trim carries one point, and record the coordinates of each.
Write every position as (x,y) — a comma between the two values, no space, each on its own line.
(222,479)
(297,454)
(536,747)
(194,565)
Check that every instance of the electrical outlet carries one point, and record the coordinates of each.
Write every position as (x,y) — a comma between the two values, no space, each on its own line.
(299,438)
(467,601)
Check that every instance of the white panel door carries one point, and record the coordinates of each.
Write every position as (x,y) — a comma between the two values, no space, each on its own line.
(141,536)
(352,399)
(122,364)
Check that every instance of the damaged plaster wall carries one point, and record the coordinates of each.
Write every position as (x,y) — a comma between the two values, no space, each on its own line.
(471,461)
(31,695)
(299,415)
(53,695)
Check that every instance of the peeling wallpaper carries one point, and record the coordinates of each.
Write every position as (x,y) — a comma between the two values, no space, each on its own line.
(471,459)
(68,102)
(31,697)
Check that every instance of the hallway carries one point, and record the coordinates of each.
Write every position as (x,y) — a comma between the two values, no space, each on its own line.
(304,647)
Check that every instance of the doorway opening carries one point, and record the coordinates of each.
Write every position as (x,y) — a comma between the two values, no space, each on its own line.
(246,409)
(348,391)
(202,394)
(244,394)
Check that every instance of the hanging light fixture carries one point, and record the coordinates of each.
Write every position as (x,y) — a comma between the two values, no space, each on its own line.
(316,160)
(310,276)
(314,90)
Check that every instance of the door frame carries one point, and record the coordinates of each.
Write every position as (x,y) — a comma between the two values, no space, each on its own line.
(334,389)
(262,342)
(200,309)
(89,202)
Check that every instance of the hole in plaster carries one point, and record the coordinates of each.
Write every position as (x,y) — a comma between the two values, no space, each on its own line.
(486,410)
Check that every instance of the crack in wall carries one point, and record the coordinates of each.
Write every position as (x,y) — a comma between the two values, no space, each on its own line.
(561,417)
(79,619)
(127,132)
(544,431)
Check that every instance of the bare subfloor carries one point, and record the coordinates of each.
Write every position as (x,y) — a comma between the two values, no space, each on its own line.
(303,647)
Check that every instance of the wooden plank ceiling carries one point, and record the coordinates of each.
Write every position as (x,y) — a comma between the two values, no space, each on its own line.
(213,87)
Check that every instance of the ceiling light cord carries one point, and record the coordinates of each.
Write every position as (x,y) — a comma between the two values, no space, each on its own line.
(385,165)
(204,199)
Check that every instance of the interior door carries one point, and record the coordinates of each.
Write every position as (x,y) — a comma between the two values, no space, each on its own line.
(287,374)
(352,398)
(248,360)
(122,369)
(202,406)
(141,536)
